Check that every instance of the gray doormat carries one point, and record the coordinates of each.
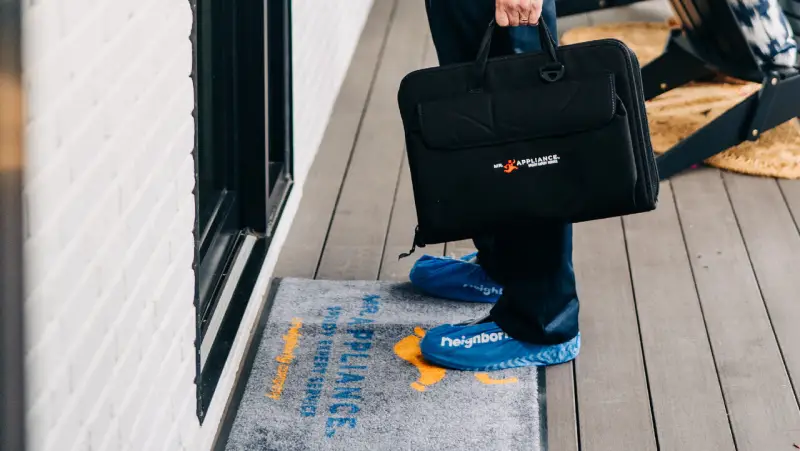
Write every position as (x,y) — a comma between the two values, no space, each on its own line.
(338,368)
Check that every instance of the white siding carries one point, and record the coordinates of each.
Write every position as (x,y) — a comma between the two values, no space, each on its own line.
(109,214)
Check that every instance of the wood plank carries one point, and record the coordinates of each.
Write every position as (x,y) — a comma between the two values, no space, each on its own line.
(773,243)
(303,246)
(648,11)
(613,402)
(762,408)
(429,59)
(562,425)
(687,401)
(401,233)
(354,249)
(791,192)
(404,214)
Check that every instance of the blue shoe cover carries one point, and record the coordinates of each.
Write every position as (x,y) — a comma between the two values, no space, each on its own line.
(485,347)
(458,279)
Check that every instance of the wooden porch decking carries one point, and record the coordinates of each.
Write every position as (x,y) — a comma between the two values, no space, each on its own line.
(690,314)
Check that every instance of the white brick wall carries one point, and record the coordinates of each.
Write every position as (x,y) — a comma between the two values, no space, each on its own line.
(109,214)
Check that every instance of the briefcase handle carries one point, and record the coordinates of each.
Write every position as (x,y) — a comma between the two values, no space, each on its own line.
(550,72)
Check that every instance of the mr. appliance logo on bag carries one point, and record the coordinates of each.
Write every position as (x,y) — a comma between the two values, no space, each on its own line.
(513,165)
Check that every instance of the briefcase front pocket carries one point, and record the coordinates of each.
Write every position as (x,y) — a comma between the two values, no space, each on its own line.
(486,161)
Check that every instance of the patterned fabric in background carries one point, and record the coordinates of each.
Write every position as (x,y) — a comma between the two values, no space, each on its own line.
(767,30)
(792,10)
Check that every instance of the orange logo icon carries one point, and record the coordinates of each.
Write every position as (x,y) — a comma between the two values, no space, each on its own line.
(429,375)
(509,167)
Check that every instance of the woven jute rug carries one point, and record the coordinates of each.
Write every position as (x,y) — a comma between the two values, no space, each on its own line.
(678,113)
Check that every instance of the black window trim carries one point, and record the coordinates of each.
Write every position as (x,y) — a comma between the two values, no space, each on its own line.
(261,139)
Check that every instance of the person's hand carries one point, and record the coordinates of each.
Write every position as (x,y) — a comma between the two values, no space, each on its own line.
(517,12)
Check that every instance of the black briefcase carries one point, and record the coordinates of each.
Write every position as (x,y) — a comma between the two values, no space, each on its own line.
(498,143)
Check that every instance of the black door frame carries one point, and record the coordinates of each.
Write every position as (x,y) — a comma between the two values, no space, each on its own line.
(12,347)
(243,79)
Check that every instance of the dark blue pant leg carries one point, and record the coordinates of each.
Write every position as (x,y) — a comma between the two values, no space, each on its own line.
(534,264)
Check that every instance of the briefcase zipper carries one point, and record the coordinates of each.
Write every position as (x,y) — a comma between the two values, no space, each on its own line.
(651,165)
(639,94)
(653,170)
(416,243)
(651,182)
